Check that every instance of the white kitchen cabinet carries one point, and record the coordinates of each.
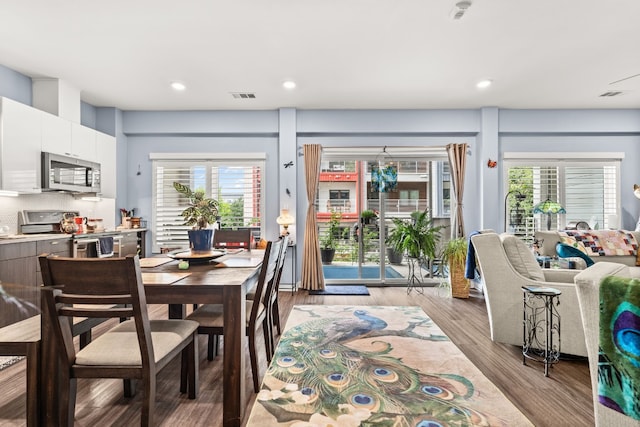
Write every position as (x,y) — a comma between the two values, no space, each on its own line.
(56,134)
(60,136)
(20,144)
(83,142)
(106,149)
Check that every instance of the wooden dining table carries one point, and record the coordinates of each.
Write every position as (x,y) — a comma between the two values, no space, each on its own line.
(224,280)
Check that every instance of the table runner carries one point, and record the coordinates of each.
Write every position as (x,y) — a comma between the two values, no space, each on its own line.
(374,365)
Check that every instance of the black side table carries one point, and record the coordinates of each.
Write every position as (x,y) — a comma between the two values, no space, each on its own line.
(541,326)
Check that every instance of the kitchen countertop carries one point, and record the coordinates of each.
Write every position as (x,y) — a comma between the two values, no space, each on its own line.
(23,238)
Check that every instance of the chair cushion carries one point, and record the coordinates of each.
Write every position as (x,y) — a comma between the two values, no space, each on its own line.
(212,315)
(564,250)
(522,258)
(119,346)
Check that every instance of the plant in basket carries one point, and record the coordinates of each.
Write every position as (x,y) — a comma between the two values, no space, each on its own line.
(455,255)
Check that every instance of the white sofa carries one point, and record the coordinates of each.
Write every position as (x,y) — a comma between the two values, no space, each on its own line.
(547,241)
(506,264)
(588,289)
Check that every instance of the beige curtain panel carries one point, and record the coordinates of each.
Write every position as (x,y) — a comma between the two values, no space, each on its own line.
(457,154)
(312,277)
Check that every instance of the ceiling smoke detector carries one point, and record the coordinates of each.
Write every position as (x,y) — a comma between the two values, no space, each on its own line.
(460,9)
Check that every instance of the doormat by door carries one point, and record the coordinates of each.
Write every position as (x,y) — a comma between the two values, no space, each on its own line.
(341,290)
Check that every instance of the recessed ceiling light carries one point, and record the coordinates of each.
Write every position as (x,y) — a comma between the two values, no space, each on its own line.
(289,84)
(178,86)
(483,84)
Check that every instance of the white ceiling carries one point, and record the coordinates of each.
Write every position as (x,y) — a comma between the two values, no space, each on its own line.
(342,53)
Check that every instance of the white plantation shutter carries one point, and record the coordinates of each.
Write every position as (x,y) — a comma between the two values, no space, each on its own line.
(588,190)
(225,180)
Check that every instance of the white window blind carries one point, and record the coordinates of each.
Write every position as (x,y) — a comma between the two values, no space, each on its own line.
(236,184)
(588,190)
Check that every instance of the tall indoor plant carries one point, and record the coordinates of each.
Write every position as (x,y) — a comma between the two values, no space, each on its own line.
(455,255)
(416,237)
(201,212)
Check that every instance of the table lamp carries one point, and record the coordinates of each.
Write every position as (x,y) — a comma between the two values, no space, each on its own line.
(285,220)
(549,207)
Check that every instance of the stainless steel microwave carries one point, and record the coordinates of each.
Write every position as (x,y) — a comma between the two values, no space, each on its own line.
(63,173)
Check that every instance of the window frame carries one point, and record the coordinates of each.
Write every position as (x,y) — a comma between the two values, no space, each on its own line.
(562,161)
(209,161)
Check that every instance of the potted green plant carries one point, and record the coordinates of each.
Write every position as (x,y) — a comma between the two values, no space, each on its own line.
(201,212)
(328,241)
(455,255)
(368,216)
(395,253)
(416,237)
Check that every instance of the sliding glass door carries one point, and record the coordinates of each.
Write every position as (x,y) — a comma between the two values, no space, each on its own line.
(355,216)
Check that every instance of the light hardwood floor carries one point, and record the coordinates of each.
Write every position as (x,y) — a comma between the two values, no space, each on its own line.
(563,399)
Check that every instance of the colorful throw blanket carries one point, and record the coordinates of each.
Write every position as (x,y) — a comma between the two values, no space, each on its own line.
(601,242)
(619,357)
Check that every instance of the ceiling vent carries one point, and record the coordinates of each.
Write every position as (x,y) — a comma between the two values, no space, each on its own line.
(460,9)
(611,93)
(243,95)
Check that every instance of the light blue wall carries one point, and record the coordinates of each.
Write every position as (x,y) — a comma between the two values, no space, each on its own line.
(88,114)
(15,86)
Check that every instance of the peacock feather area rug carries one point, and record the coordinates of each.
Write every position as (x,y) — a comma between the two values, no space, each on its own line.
(374,366)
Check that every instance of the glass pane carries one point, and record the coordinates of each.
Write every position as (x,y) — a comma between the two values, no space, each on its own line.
(363,218)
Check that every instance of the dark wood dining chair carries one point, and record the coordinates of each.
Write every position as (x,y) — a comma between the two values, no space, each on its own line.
(211,316)
(135,349)
(272,298)
(232,239)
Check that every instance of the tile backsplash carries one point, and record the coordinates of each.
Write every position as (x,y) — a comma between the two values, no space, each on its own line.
(10,206)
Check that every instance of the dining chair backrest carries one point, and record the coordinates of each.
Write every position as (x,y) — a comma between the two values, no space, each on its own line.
(95,288)
(275,283)
(235,239)
(267,273)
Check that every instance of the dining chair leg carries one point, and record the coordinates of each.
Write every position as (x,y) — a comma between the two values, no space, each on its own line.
(271,349)
(212,346)
(184,371)
(276,315)
(149,399)
(129,387)
(268,336)
(253,355)
(192,362)
(67,398)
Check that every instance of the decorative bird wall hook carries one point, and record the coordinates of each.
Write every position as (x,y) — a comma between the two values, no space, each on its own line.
(288,164)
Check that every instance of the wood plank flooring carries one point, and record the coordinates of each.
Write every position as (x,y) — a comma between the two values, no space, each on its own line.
(563,399)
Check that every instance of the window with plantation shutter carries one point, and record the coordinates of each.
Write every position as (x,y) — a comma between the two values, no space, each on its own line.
(587,189)
(236,184)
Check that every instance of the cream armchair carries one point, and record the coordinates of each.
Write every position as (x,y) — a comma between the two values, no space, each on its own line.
(506,264)
(588,287)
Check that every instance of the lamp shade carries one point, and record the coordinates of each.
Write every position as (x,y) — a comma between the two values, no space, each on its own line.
(549,207)
(285,219)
